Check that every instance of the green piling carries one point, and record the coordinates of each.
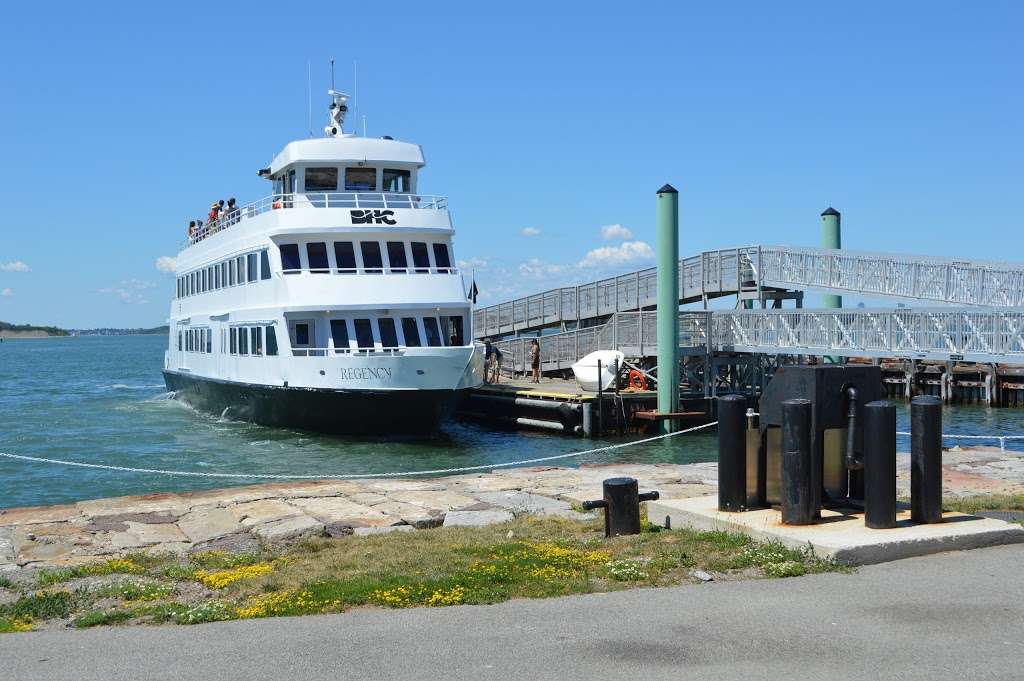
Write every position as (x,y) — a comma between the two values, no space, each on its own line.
(831,237)
(667,220)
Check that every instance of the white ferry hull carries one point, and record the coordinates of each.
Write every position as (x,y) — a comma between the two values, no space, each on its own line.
(341,411)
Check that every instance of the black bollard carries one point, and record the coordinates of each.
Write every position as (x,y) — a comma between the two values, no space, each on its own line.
(926,459)
(621,504)
(798,506)
(880,465)
(732,453)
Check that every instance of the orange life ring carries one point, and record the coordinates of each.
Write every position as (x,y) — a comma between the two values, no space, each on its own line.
(637,381)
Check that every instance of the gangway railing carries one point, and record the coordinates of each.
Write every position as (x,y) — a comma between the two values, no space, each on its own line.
(749,271)
(972,335)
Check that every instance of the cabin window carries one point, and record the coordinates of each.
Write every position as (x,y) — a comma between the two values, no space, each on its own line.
(388,334)
(290,258)
(302,334)
(364,333)
(224,274)
(345,256)
(256,337)
(441,257)
(372,261)
(209,340)
(396,181)
(264,264)
(360,179)
(251,263)
(316,254)
(419,256)
(396,257)
(339,334)
(271,342)
(209,278)
(179,341)
(216,277)
(241,269)
(321,179)
(411,332)
(202,281)
(433,333)
(243,341)
(234,341)
(453,328)
(233,274)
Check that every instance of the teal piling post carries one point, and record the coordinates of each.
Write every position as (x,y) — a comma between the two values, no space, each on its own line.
(667,220)
(831,237)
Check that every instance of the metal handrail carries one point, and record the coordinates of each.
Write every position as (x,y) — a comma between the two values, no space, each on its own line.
(371,271)
(328,352)
(372,200)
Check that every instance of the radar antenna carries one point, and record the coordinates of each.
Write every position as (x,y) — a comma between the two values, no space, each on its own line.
(338,109)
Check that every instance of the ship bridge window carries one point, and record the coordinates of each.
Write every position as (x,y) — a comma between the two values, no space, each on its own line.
(271,342)
(264,264)
(321,179)
(432,331)
(364,334)
(345,256)
(316,253)
(290,258)
(360,179)
(420,258)
(396,257)
(411,332)
(396,181)
(372,262)
(388,334)
(256,336)
(441,260)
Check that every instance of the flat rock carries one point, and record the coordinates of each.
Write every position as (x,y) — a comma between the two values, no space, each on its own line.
(176,504)
(367,498)
(439,499)
(6,544)
(366,531)
(476,518)
(289,528)
(32,515)
(204,524)
(239,542)
(402,485)
(417,516)
(139,535)
(263,511)
(321,488)
(339,510)
(524,502)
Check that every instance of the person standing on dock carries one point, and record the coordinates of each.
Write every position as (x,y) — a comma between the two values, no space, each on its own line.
(535,360)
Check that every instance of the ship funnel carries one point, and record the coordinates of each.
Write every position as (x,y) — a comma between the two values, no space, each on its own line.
(338,109)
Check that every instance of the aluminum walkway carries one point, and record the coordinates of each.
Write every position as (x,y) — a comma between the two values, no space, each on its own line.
(976,335)
(757,273)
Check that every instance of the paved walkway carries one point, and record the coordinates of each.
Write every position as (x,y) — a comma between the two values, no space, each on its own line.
(239,517)
(947,616)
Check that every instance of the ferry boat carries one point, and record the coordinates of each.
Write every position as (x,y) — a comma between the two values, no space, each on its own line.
(333,304)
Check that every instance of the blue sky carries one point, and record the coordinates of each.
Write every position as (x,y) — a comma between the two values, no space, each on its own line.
(543,123)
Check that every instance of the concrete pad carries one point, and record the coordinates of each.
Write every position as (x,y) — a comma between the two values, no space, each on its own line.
(476,518)
(841,535)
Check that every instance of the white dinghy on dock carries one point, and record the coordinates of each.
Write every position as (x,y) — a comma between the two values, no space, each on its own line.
(586,370)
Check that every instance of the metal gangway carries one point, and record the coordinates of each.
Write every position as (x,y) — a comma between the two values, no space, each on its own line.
(760,274)
(946,334)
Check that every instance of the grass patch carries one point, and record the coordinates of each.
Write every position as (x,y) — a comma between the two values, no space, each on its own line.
(529,557)
(994,502)
(6,583)
(129,566)
(13,626)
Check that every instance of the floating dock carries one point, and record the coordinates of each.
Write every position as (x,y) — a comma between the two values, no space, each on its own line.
(559,405)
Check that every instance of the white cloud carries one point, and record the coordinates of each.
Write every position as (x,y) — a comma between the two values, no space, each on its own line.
(530,231)
(166,264)
(539,269)
(616,231)
(7,293)
(128,291)
(471,263)
(14,266)
(624,253)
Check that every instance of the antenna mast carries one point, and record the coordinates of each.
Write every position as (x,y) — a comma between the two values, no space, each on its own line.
(332,73)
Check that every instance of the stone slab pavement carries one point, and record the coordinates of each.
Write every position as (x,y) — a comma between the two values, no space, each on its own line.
(88,531)
(945,616)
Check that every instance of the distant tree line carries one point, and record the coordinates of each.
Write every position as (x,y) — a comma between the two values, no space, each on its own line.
(51,330)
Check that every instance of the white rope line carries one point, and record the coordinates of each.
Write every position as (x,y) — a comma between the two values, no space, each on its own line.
(350,476)
(955,436)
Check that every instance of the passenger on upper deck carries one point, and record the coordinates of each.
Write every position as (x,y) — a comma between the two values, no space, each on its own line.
(211,219)
(192,229)
(232,211)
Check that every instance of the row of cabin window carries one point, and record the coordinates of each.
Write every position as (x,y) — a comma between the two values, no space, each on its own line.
(371,258)
(195,340)
(387,332)
(356,180)
(243,269)
(248,340)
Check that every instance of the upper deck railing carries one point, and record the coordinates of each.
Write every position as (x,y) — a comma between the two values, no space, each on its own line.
(370,200)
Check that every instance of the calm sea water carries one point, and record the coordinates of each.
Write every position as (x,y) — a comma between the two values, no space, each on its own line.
(102,400)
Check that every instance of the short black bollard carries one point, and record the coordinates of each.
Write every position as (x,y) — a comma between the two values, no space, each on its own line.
(797,493)
(926,459)
(732,453)
(880,465)
(621,506)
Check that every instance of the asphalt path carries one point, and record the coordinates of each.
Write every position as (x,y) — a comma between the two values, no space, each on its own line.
(948,616)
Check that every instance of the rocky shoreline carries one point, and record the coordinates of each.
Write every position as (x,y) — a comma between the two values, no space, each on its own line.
(240,518)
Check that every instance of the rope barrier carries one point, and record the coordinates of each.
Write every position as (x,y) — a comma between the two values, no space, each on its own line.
(953,436)
(350,476)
